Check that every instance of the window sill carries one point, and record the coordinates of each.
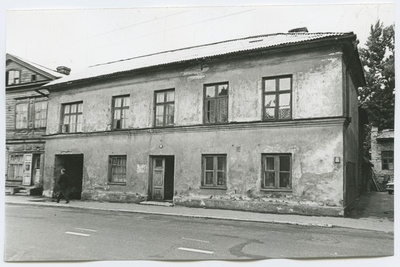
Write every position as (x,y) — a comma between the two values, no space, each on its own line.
(276,190)
(114,183)
(213,187)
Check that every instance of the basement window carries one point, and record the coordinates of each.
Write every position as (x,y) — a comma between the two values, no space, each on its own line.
(276,171)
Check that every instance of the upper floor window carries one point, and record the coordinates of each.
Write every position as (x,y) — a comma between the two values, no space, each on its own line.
(387,160)
(120,112)
(164,108)
(13,77)
(216,103)
(277,171)
(30,113)
(214,171)
(72,117)
(277,94)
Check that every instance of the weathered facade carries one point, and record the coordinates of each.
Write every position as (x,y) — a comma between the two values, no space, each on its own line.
(266,123)
(382,155)
(26,118)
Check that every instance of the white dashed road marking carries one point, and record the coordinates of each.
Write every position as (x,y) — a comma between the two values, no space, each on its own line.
(73,233)
(197,250)
(196,240)
(83,229)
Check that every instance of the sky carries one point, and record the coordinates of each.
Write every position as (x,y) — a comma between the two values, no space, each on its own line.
(81,33)
(79,37)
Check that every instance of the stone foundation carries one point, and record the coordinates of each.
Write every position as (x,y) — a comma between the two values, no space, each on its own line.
(268,206)
(118,197)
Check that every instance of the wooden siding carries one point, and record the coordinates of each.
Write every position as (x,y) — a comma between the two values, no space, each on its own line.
(26,74)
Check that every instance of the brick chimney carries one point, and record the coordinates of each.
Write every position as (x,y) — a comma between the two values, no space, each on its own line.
(63,70)
(302,29)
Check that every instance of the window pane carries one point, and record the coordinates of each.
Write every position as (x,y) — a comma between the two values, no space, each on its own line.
(270,85)
(159,115)
(284,106)
(159,163)
(284,163)
(80,107)
(66,120)
(210,91)
(117,114)
(223,109)
(209,163)
(170,96)
(284,84)
(170,114)
(73,108)
(79,124)
(222,90)
(67,109)
(269,163)
(221,178)
(284,180)
(269,113)
(160,97)
(269,179)
(125,102)
(209,178)
(269,100)
(221,163)
(117,102)
(210,111)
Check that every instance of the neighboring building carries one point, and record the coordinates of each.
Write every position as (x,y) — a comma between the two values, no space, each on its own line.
(382,155)
(266,123)
(26,118)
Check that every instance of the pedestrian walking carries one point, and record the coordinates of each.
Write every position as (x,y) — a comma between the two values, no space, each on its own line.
(63,186)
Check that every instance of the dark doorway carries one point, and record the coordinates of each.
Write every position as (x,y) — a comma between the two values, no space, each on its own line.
(162,178)
(74,169)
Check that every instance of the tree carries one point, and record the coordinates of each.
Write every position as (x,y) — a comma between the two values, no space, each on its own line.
(378,96)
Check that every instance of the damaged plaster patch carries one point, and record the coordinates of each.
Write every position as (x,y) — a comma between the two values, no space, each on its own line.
(141,168)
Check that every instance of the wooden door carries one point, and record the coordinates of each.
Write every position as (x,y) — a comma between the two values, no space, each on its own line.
(158,178)
(27,170)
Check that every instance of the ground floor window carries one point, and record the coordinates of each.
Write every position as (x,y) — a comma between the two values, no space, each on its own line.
(277,171)
(214,171)
(117,169)
(15,171)
(387,160)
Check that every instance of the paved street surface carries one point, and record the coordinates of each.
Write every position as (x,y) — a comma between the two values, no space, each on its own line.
(51,233)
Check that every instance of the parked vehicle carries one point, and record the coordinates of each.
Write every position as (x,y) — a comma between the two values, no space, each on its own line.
(390,187)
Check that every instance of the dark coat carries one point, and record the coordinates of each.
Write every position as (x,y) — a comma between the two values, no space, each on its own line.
(62,182)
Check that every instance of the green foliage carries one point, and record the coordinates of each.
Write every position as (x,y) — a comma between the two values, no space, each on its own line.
(377,97)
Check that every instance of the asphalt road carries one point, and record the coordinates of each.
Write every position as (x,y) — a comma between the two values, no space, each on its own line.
(54,234)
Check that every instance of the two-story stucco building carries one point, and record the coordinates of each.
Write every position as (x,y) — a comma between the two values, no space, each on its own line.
(26,119)
(265,123)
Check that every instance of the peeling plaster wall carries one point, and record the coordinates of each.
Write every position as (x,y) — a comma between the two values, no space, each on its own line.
(316,90)
(315,177)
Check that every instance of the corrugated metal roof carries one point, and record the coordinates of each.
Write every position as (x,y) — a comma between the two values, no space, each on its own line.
(42,68)
(190,53)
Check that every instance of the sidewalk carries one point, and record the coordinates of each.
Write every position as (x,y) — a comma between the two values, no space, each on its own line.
(373,224)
